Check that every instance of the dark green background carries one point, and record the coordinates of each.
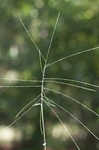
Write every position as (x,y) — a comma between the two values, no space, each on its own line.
(77,30)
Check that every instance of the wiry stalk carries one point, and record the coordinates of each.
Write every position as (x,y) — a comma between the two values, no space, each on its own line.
(63,125)
(71,115)
(42,108)
(72,55)
(73,100)
(42,85)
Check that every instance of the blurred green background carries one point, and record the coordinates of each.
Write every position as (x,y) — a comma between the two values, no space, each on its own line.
(77,30)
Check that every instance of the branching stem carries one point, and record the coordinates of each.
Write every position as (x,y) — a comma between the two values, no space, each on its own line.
(42,108)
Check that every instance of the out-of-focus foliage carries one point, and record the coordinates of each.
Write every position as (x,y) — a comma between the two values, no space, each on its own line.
(78,29)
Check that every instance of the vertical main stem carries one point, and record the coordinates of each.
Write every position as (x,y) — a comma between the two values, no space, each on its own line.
(42,108)
(42,85)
